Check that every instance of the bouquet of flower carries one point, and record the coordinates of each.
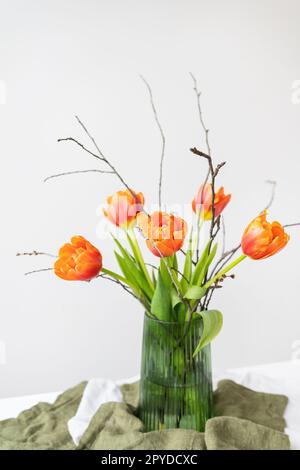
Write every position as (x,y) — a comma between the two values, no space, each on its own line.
(177,286)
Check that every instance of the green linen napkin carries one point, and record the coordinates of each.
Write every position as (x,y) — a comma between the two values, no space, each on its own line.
(244,420)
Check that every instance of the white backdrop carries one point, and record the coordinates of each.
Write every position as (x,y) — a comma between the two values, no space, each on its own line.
(61,57)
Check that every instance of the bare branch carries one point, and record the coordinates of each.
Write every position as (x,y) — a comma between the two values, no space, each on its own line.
(197,152)
(75,172)
(198,96)
(38,271)
(120,283)
(224,260)
(273,184)
(224,234)
(218,167)
(35,253)
(80,145)
(163,139)
(102,157)
(292,225)
(90,137)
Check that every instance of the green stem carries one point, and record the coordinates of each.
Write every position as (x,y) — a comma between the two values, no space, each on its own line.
(224,271)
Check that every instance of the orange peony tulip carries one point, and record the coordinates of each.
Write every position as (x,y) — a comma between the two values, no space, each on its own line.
(123,208)
(262,239)
(78,260)
(164,232)
(203,201)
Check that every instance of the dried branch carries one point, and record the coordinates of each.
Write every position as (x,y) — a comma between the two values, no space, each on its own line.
(38,271)
(224,234)
(273,184)
(197,152)
(198,96)
(71,139)
(35,253)
(218,167)
(291,225)
(102,157)
(75,172)
(163,139)
(214,287)
(90,137)
(185,253)
(120,283)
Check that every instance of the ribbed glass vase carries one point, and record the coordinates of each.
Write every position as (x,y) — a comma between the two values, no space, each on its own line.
(175,387)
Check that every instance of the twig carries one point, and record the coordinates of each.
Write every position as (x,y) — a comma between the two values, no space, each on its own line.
(206,132)
(214,287)
(224,234)
(273,183)
(116,281)
(102,157)
(38,271)
(185,253)
(218,167)
(35,253)
(71,139)
(163,140)
(75,172)
(224,259)
(197,152)
(181,274)
(292,225)
(198,95)
(90,137)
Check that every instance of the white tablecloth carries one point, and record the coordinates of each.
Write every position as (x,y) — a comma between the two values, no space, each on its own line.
(283,377)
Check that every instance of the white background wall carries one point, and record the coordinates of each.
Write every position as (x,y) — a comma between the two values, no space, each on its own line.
(61,57)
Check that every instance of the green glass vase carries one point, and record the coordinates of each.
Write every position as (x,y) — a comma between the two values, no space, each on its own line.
(175,387)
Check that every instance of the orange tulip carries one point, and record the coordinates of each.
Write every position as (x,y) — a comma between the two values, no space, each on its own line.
(262,239)
(78,260)
(203,201)
(164,232)
(123,208)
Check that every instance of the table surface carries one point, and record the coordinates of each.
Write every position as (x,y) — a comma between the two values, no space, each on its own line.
(282,377)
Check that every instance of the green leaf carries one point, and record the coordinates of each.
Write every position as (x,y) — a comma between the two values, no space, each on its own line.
(164,271)
(212,324)
(207,263)
(139,257)
(200,264)
(195,292)
(153,278)
(175,263)
(133,274)
(175,300)
(161,305)
(123,250)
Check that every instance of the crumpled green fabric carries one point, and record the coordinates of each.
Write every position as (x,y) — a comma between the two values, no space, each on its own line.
(244,420)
